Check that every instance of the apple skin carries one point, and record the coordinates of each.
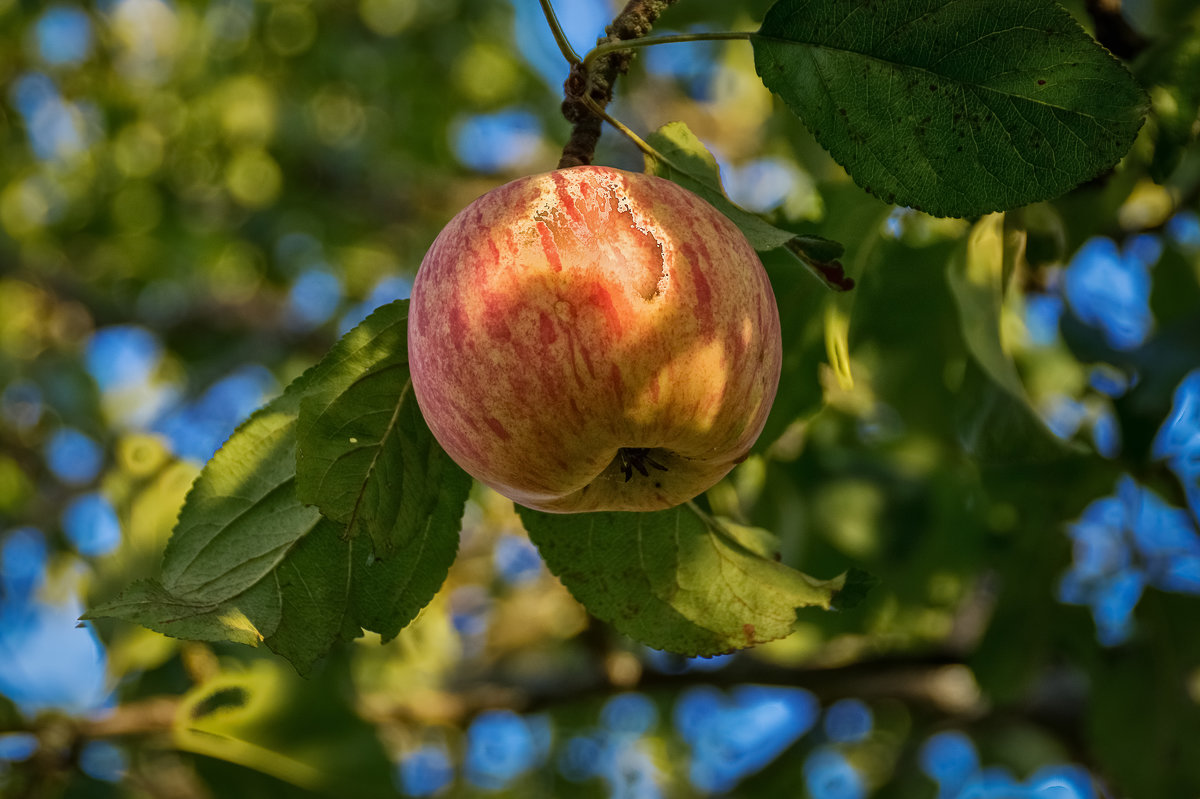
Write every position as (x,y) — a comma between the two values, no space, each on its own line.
(564,316)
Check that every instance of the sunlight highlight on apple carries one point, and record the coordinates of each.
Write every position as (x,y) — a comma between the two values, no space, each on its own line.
(594,339)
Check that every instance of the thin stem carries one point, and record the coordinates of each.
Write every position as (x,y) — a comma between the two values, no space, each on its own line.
(559,36)
(628,133)
(672,38)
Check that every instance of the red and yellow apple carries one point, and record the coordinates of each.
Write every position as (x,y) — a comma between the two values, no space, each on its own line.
(594,339)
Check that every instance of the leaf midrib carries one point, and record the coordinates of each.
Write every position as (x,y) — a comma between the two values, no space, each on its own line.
(388,431)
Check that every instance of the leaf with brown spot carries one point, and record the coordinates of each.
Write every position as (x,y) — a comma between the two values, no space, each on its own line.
(957,107)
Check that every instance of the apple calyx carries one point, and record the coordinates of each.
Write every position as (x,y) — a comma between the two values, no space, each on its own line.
(638,458)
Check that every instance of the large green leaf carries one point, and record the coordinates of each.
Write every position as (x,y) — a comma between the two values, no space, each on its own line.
(366,457)
(238,566)
(250,562)
(675,579)
(955,107)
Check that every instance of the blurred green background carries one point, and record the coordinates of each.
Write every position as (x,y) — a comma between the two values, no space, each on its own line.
(196,199)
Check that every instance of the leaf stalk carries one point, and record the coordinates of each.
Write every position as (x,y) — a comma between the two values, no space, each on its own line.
(671,38)
(560,37)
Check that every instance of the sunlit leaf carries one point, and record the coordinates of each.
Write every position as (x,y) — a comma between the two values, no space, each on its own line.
(956,108)
(687,162)
(232,570)
(998,420)
(242,514)
(249,562)
(147,603)
(675,579)
(299,609)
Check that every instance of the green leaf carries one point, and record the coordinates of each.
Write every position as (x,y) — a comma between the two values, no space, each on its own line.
(242,515)
(147,603)
(238,567)
(675,579)
(249,562)
(976,272)
(367,459)
(687,162)
(389,593)
(350,460)
(298,610)
(313,584)
(956,108)
(1002,423)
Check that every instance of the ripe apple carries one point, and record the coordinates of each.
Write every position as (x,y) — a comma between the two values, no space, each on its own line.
(593,339)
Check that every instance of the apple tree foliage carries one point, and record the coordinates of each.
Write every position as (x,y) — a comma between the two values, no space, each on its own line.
(914,520)
(959,108)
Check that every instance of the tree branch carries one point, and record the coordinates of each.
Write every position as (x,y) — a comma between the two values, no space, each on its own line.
(634,21)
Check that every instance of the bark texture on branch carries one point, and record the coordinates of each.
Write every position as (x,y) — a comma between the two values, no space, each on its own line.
(634,21)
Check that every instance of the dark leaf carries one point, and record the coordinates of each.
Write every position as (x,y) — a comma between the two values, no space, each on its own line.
(955,108)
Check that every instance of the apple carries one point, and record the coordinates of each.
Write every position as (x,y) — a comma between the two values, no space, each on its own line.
(594,339)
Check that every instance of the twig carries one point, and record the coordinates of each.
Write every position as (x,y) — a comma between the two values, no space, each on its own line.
(627,132)
(634,21)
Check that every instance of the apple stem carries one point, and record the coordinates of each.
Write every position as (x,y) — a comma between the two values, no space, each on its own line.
(627,132)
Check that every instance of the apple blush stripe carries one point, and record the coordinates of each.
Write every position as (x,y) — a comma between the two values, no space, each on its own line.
(593,339)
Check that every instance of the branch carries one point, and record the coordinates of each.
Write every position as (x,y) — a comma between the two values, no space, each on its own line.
(634,21)
(151,716)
